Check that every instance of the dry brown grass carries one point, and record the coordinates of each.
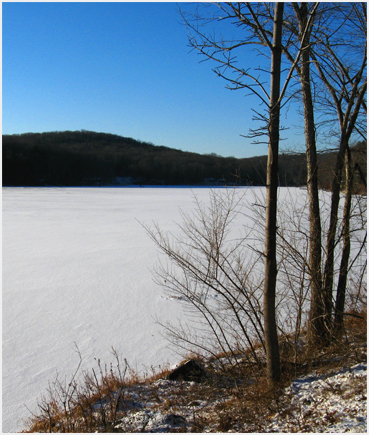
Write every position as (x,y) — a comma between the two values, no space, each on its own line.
(236,399)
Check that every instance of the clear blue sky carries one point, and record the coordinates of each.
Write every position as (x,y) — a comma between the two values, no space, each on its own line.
(122,68)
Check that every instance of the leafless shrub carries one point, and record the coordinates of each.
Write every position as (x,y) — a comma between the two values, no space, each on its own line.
(212,271)
(89,401)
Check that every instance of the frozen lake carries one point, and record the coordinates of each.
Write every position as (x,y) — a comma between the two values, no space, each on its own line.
(76,269)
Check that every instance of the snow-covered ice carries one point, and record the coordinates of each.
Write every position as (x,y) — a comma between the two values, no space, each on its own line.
(76,270)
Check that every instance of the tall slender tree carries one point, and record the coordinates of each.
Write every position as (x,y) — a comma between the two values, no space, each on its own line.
(305,13)
(270,325)
(263,27)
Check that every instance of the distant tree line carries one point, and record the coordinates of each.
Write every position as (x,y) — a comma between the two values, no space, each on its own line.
(86,158)
(327,162)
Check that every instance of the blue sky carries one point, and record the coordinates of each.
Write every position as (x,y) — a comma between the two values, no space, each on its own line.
(122,68)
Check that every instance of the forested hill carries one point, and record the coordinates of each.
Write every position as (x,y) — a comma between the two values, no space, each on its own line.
(85,158)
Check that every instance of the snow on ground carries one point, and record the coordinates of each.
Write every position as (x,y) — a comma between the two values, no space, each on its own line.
(326,403)
(334,403)
(76,270)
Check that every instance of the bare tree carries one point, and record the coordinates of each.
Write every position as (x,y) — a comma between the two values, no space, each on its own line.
(304,14)
(270,325)
(333,44)
(263,28)
(344,78)
(301,32)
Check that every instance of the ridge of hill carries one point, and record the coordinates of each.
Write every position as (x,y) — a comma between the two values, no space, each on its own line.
(86,158)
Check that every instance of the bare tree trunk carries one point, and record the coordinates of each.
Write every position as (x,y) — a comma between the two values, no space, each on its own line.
(341,288)
(270,327)
(347,127)
(331,236)
(316,321)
